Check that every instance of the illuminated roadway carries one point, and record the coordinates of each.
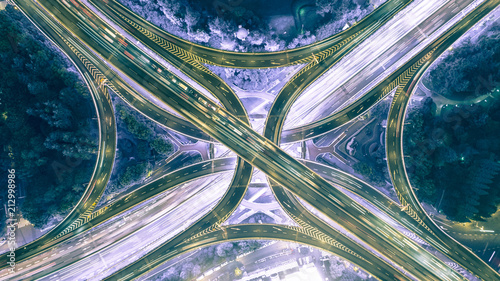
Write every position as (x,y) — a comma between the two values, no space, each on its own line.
(328,55)
(79,251)
(354,109)
(107,144)
(397,170)
(208,55)
(117,205)
(104,162)
(175,178)
(214,106)
(225,165)
(236,191)
(253,147)
(445,244)
(292,88)
(374,59)
(451,248)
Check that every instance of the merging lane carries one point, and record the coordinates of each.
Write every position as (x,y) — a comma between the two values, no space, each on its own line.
(351,87)
(105,156)
(194,52)
(251,146)
(395,156)
(226,127)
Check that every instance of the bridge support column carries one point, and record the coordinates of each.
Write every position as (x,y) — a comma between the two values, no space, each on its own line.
(304,150)
(211,151)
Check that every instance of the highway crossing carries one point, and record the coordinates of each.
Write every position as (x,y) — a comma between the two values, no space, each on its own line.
(224,125)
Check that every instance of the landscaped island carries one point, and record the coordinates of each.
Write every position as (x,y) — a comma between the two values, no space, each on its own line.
(453,138)
(47,121)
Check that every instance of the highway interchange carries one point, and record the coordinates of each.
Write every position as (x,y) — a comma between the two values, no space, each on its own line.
(89,42)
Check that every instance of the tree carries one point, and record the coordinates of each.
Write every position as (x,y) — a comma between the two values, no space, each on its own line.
(55,113)
(469,70)
(71,145)
(37,87)
(162,146)
(363,169)
(138,129)
(224,249)
(40,99)
(191,18)
(336,269)
(446,154)
(455,154)
(143,151)
(133,173)
(479,182)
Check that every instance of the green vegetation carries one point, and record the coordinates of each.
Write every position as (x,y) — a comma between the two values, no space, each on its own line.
(45,120)
(371,163)
(455,156)
(138,129)
(139,147)
(143,150)
(372,171)
(132,173)
(470,70)
(162,146)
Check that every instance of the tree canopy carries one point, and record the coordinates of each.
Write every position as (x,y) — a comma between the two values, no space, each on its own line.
(455,156)
(45,119)
(469,70)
